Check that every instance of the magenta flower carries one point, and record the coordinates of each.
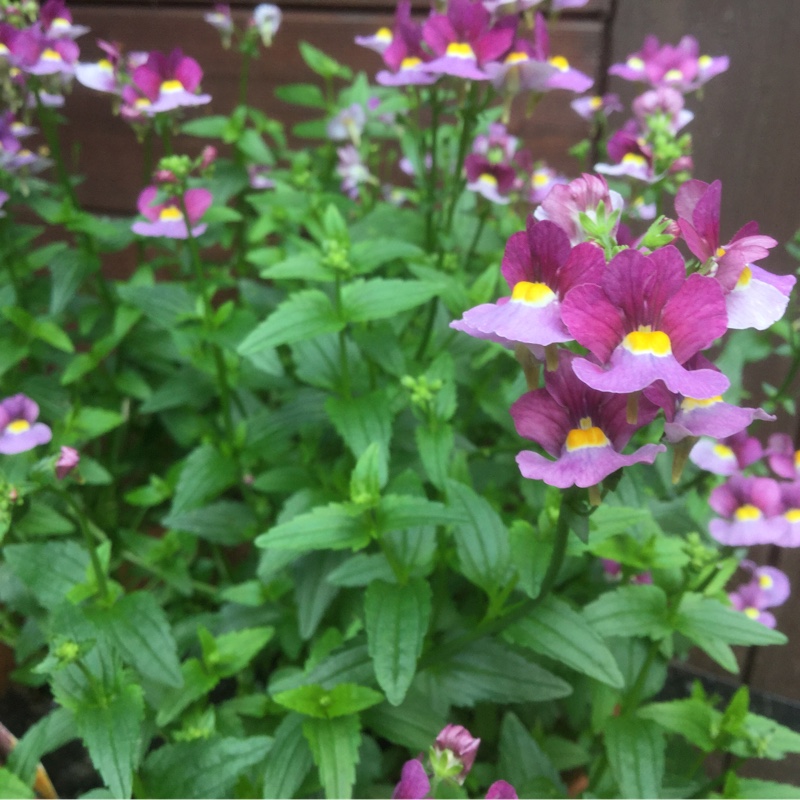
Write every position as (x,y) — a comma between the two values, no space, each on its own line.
(751,511)
(56,21)
(790,494)
(378,41)
(782,457)
(491,180)
(565,204)
(730,454)
(463,40)
(509,6)
(540,268)
(220,18)
(587,107)
(501,790)
(630,155)
(664,101)
(414,783)
(19,430)
(54,56)
(67,460)
(166,82)
(460,746)
(104,75)
(166,218)
(769,587)
(404,54)
(583,429)
(680,67)
(643,322)
(542,180)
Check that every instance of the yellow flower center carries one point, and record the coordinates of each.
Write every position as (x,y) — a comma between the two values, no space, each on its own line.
(410,62)
(51,55)
(719,252)
(141,102)
(646,341)
(747,513)
(533,294)
(673,75)
(765,581)
(704,62)
(172,86)
(517,58)
(487,178)
(722,451)
(18,426)
(560,63)
(634,62)
(634,158)
(587,435)
(105,64)
(460,50)
(595,102)
(3,49)
(751,612)
(540,179)
(691,403)
(792,515)
(797,458)
(170,214)
(744,279)
(384,35)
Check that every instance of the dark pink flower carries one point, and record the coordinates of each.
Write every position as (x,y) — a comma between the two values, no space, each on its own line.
(404,54)
(67,460)
(166,82)
(166,218)
(768,587)
(501,790)
(414,783)
(751,512)
(461,744)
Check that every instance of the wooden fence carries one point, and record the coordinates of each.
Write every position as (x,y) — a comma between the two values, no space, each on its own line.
(745,132)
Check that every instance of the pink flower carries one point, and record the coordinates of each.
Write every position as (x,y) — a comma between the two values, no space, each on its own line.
(67,461)
(166,218)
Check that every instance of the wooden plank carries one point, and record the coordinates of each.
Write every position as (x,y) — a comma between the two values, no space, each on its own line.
(112,160)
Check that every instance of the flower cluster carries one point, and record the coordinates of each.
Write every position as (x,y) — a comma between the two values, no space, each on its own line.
(768,587)
(643,314)
(451,758)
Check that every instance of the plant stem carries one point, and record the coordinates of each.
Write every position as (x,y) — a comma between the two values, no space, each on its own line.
(344,363)
(521,610)
(478,231)
(97,567)
(631,702)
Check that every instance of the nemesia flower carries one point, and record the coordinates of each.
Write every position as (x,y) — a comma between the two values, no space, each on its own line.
(769,587)
(790,495)
(751,511)
(630,155)
(378,41)
(67,460)
(266,19)
(540,268)
(166,218)
(463,40)
(56,21)
(644,321)
(414,783)
(220,18)
(542,180)
(731,454)
(680,66)
(782,457)
(460,747)
(166,82)
(560,5)
(258,175)
(348,124)
(352,170)
(664,101)
(54,56)
(583,429)
(19,430)
(564,204)
(404,55)
(587,107)
(501,790)
(492,181)
(104,74)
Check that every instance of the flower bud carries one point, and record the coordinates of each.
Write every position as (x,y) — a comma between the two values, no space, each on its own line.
(67,461)
(454,752)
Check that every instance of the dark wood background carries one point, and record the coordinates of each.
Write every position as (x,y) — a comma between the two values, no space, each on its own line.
(745,133)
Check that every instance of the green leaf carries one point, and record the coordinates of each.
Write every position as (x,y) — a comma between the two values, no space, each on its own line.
(305,266)
(491,672)
(315,701)
(638,610)
(12,787)
(555,630)
(635,749)
(212,127)
(336,526)
(253,146)
(185,387)
(289,760)
(204,768)
(531,550)
(313,593)
(398,512)
(701,618)
(397,619)
(352,665)
(197,681)
(233,651)
(301,94)
(435,447)
(756,789)
(90,423)
(373,253)
(43,520)
(206,473)
(482,541)
(48,569)
(524,764)
(139,628)
(302,316)
(380,298)
(164,303)
(322,64)
(369,476)
(68,268)
(44,736)
(334,746)
(692,718)
(114,756)
(224,522)
(413,724)
(42,329)
(360,421)
(361,569)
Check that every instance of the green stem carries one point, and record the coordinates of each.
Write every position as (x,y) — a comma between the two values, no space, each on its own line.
(343,359)
(521,610)
(427,330)
(478,231)
(432,174)
(244,76)
(631,702)
(83,524)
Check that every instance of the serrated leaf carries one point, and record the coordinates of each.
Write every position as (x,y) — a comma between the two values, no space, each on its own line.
(206,473)
(482,541)
(635,749)
(336,526)
(399,512)
(334,745)
(312,592)
(224,522)
(290,759)
(352,665)
(302,316)
(215,766)
(523,763)
(43,520)
(43,329)
(692,718)
(114,756)
(435,446)
(360,421)
(164,303)
(90,423)
(197,681)
(756,789)
(702,618)
(340,701)
(555,630)
(413,724)
(301,94)
(373,253)
(638,610)
(380,298)
(44,736)
(360,570)
(236,649)
(397,619)
(306,266)
(48,569)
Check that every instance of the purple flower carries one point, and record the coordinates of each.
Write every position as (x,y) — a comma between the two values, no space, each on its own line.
(769,587)
(460,746)
(56,21)
(266,19)
(67,460)
(352,170)
(19,430)
(491,180)
(790,494)
(630,154)
(542,180)
(782,457)
(414,783)
(752,512)
(404,55)
(680,67)
(378,41)
(104,75)
(501,790)
(463,40)
(166,218)
(584,195)
(348,124)
(664,101)
(54,56)
(643,322)
(258,176)
(166,82)
(588,107)
(728,456)
(220,18)
(540,268)
(583,429)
